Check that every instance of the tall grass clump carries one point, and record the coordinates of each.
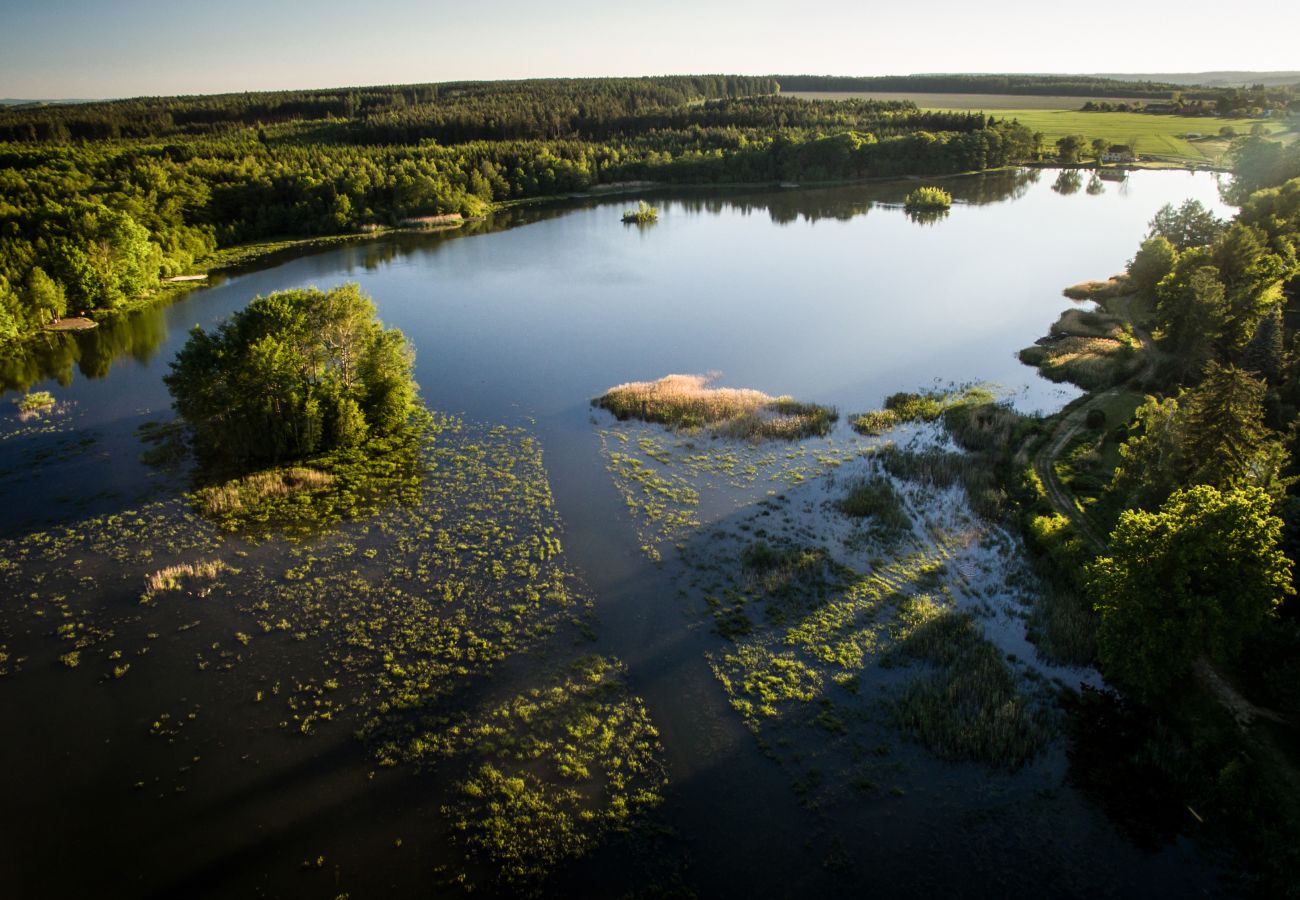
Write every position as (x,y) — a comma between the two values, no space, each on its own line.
(240,494)
(172,578)
(690,401)
(928,198)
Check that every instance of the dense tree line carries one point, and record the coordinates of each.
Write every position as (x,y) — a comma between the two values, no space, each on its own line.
(542,108)
(1062,85)
(93,224)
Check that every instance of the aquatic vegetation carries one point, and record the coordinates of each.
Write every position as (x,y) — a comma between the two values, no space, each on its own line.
(663,476)
(875,422)
(875,498)
(691,402)
(387,625)
(969,706)
(174,577)
(644,214)
(600,754)
(34,403)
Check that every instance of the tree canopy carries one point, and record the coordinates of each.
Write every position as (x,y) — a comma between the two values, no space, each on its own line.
(1195,578)
(294,374)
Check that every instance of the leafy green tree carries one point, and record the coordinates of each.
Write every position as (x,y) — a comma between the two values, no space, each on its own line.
(1189,225)
(294,374)
(1070,147)
(45,296)
(1193,579)
(1154,260)
(1099,148)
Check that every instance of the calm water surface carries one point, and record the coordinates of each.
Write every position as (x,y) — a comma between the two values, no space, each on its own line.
(833,296)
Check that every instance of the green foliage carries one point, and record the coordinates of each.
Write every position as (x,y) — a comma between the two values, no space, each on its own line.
(1195,578)
(1154,260)
(1212,434)
(1070,148)
(644,214)
(969,707)
(1189,225)
(875,498)
(291,375)
(924,198)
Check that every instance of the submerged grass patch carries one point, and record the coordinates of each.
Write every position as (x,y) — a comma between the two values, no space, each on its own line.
(968,706)
(691,402)
(876,499)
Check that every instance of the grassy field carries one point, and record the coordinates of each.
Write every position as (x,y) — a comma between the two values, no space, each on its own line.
(1149,135)
(1055,117)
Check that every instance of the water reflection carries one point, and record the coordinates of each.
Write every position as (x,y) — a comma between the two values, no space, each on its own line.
(1068,182)
(926,216)
(136,335)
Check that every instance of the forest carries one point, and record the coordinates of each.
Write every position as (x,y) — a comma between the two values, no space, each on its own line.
(100,201)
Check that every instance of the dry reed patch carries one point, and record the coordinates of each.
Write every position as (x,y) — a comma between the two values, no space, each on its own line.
(251,490)
(172,578)
(691,401)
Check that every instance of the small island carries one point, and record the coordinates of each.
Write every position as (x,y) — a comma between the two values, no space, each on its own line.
(299,391)
(927,199)
(644,214)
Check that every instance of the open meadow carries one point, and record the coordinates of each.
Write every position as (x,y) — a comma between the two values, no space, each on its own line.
(1162,136)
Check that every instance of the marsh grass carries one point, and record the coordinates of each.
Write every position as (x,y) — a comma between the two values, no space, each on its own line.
(876,499)
(1063,626)
(875,422)
(1098,290)
(1090,348)
(691,401)
(968,707)
(249,491)
(174,577)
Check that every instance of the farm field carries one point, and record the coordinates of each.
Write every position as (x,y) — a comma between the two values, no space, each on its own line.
(1057,116)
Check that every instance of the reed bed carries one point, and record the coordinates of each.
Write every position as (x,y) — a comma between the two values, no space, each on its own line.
(691,401)
(172,578)
(251,490)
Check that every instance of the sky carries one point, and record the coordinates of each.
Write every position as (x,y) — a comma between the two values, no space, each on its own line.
(54,49)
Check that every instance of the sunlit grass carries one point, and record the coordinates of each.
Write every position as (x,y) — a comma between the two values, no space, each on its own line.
(691,401)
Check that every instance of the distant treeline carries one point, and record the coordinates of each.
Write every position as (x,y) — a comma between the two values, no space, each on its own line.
(492,110)
(92,223)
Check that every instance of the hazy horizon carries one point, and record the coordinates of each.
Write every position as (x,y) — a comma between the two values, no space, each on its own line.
(66,49)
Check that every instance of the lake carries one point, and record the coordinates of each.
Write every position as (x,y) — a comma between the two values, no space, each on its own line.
(314,722)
